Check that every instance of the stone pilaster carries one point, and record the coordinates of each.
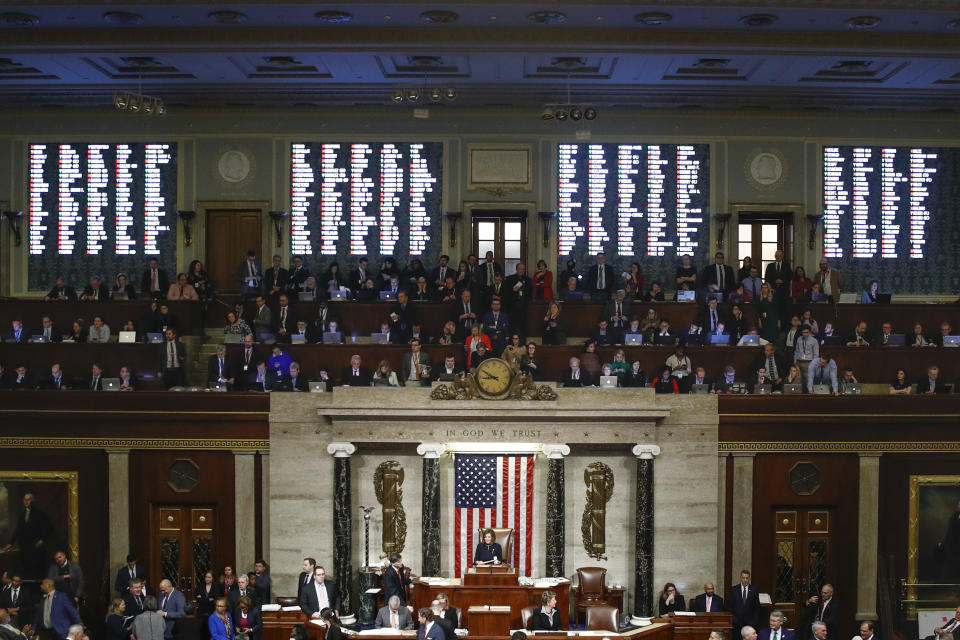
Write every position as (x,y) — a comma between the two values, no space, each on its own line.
(556,504)
(867,539)
(721,515)
(265,505)
(342,531)
(643,597)
(118,505)
(431,452)
(742,543)
(245,488)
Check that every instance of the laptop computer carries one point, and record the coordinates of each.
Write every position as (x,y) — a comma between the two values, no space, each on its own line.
(818,297)
(821,389)
(233,338)
(721,339)
(666,339)
(388,295)
(127,337)
(884,298)
(297,338)
(895,340)
(833,341)
(154,337)
(608,382)
(686,296)
(379,338)
(338,295)
(38,338)
(791,388)
(751,340)
(120,295)
(218,386)
(267,338)
(700,389)
(332,336)
(762,389)
(852,389)
(306,296)
(951,341)
(317,386)
(111,384)
(633,338)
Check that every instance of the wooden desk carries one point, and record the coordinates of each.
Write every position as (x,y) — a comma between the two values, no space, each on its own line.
(487,576)
(516,596)
(115,314)
(490,621)
(278,625)
(698,627)
(614,598)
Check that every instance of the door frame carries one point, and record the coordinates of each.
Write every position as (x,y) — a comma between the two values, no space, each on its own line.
(154,547)
(482,209)
(790,214)
(267,244)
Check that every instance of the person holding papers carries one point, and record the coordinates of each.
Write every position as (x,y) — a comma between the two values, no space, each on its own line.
(488,552)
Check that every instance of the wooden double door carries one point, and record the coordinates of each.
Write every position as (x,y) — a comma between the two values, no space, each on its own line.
(182,545)
(803,557)
(229,235)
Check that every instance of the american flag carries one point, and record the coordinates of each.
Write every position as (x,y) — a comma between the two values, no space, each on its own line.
(493,491)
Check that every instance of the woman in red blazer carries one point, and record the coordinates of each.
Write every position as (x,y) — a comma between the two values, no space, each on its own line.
(542,282)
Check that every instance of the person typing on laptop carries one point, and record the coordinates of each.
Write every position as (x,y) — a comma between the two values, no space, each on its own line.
(823,370)
(848,382)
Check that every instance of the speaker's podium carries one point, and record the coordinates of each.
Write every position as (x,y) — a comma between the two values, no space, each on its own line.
(490,620)
(490,575)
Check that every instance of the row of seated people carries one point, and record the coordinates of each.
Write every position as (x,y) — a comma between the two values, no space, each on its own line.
(157,321)
(190,286)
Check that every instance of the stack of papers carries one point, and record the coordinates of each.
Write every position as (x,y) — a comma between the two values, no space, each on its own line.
(270,607)
(293,608)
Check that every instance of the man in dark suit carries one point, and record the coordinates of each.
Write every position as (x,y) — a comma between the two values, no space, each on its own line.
(617,313)
(49,332)
(710,316)
(775,364)
(18,333)
(12,597)
(319,594)
(575,376)
(519,287)
(439,619)
(429,629)
(600,279)
(821,608)
(173,357)
(719,276)
(496,324)
(128,572)
(450,614)
(448,369)
(358,276)
(488,270)
(219,369)
(61,291)
(497,290)
(933,385)
(30,532)
(294,381)
(95,292)
(744,602)
(777,275)
(54,615)
(297,277)
(155,282)
(133,598)
(403,316)
(306,576)
(56,381)
(285,319)
(707,601)
(21,380)
(776,631)
(395,580)
(243,590)
(464,314)
(262,318)
(275,280)
(250,275)
(355,375)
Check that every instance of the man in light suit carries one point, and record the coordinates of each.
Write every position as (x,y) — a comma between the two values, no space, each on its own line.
(600,279)
(7,630)
(54,615)
(130,570)
(744,604)
(416,366)
(429,629)
(319,594)
(170,603)
(776,631)
(708,600)
(393,616)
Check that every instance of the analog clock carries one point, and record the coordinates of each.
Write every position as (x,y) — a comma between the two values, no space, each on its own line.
(493,378)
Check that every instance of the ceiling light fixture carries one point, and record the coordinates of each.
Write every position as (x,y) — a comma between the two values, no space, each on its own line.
(415,94)
(568,110)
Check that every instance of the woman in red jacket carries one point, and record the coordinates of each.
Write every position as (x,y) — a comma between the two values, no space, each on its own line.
(542,282)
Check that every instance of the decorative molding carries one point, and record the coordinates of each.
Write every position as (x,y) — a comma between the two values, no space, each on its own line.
(133,443)
(593,524)
(555,451)
(646,451)
(72,479)
(341,449)
(431,449)
(838,447)
(766,168)
(500,170)
(387,480)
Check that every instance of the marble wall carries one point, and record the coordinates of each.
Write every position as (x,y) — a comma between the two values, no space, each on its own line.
(598,424)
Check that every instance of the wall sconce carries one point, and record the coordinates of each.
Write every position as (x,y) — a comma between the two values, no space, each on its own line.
(186,218)
(546,217)
(814,220)
(722,220)
(452,217)
(14,218)
(277,217)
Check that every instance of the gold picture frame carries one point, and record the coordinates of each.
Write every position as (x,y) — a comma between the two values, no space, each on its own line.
(923,513)
(72,481)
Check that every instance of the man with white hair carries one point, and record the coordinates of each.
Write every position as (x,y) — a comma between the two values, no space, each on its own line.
(7,630)
(748,633)
(819,630)
(75,632)
(170,603)
(438,619)
(393,616)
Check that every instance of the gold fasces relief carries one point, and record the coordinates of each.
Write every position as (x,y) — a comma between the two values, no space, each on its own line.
(387,481)
(599,480)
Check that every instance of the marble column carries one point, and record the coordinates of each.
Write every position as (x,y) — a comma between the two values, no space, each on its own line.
(244,500)
(643,595)
(342,522)
(867,538)
(265,505)
(118,505)
(721,515)
(556,504)
(742,542)
(430,557)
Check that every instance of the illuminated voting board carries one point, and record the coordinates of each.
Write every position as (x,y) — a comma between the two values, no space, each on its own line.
(100,209)
(371,199)
(646,203)
(891,214)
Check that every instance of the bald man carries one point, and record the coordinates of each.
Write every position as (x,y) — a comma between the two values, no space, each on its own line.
(708,600)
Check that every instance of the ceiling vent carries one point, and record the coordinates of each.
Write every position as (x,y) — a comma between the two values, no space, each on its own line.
(653,18)
(864,22)
(547,17)
(19,19)
(123,18)
(227,17)
(332,16)
(439,17)
(758,20)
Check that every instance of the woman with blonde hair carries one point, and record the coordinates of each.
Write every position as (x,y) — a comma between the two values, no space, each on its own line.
(115,627)
(385,375)
(546,617)
(768,315)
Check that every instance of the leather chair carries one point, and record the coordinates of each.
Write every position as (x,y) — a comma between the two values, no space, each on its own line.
(504,537)
(602,618)
(591,589)
(525,614)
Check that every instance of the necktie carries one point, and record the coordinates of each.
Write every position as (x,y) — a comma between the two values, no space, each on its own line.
(713,319)
(576,375)
(772,367)
(221,375)
(181,292)
(250,268)
(283,317)
(744,594)
(132,574)
(356,373)
(600,274)
(154,281)
(26,515)
(171,350)
(774,636)
(496,317)
(619,313)
(823,605)
(93,385)
(413,367)
(139,602)
(708,604)
(393,620)
(468,307)
(489,273)
(46,333)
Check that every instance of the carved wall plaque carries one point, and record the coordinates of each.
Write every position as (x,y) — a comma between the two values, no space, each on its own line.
(387,481)
(599,480)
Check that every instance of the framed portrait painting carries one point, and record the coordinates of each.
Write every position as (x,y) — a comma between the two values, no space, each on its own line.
(933,539)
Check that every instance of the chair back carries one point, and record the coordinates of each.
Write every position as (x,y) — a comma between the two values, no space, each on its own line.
(602,618)
(504,537)
(525,614)
(592,584)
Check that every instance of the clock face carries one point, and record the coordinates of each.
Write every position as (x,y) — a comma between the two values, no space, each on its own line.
(493,378)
